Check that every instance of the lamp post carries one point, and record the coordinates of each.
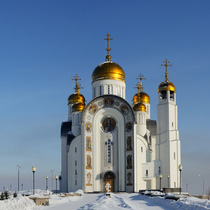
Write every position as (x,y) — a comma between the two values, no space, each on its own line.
(160,180)
(52,178)
(18,177)
(168,181)
(33,170)
(46,182)
(180,169)
(56,179)
(203,183)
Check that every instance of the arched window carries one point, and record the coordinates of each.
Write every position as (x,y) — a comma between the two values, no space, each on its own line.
(163,95)
(129,161)
(108,89)
(129,178)
(100,90)
(94,92)
(172,95)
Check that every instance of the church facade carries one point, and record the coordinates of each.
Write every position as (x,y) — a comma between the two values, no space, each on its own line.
(110,142)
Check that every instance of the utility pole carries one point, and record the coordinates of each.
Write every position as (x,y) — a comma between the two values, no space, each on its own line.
(18,177)
(52,177)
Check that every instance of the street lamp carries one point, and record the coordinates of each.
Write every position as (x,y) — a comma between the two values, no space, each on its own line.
(33,170)
(56,179)
(168,181)
(18,177)
(46,182)
(180,169)
(52,178)
(203,183)
(160,180)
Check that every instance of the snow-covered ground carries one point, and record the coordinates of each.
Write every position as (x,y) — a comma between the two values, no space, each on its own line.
(101,201)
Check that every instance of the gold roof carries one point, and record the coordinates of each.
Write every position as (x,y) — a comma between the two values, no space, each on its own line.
(108,70)
(139,107)
(166,85)
(78,107)
(76,98)
(141,97)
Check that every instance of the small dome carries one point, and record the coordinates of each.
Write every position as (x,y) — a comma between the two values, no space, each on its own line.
(141,97)
(78,107)
(139,107)
(144,98)
(76,98)
(108,70)
(166,85)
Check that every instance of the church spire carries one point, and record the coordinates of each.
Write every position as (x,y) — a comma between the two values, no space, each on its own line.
(77,85)
(108,56)
(166,65)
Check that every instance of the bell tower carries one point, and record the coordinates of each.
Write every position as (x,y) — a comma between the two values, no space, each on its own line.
(168,143)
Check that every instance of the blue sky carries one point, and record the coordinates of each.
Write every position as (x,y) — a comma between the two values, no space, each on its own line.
(43,44)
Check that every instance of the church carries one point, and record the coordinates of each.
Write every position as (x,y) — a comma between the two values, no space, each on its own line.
(111,142)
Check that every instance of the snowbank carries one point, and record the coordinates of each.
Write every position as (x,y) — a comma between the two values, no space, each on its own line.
(18,203)
(101,201)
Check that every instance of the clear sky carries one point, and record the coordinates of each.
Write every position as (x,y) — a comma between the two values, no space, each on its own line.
(43,44)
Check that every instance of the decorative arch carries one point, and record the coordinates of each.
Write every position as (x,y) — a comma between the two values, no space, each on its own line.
(118,115)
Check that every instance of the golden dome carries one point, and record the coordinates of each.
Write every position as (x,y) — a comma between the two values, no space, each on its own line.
(166,85)
(136,99)
(141,97)
(78,107)
(108,70)
(139,107)
(76,98)
(144,98)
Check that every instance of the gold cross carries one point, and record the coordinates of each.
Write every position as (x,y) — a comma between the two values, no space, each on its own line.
(108,57)
(166,65)
(77,85)
(140,87)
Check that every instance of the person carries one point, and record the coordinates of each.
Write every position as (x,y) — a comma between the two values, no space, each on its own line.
(88,143)
(88,127)
(88,178)
(88,161)
(108,126)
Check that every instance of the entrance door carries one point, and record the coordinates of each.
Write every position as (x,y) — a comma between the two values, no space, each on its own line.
(109,183)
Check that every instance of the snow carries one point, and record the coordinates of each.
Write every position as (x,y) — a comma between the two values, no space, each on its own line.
(20,202)
(101,201)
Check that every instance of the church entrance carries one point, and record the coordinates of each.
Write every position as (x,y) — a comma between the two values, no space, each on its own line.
(109,182)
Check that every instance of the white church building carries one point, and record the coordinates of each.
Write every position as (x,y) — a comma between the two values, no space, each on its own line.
(111,141)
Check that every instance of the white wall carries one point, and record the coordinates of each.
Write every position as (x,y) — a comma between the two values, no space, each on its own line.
(168,143)
(117,87)
(63,186)
(98,140)
(75,180)
(76,123)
